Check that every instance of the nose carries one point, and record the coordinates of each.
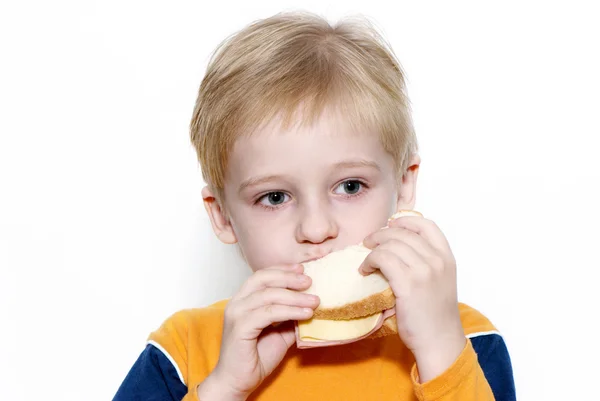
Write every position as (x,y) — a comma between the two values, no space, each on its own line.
(316,225)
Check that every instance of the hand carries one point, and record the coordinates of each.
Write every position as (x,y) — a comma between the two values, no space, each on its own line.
(252,347)
(414,256)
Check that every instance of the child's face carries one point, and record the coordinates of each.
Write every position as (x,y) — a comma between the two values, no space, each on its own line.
(299,194)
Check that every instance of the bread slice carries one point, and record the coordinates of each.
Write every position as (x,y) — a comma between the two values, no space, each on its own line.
(352,306)
(344,292)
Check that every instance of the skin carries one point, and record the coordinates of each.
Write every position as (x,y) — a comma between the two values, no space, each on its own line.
(298,194)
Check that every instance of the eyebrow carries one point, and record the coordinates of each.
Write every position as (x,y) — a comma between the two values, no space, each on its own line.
(254,181)
(356,163)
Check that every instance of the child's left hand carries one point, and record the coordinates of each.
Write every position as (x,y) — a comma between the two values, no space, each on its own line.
(416,259)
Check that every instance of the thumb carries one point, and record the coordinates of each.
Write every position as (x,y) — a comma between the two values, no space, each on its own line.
(288,334)
(287,331)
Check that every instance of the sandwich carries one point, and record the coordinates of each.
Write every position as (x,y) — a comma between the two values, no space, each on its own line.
(353,307)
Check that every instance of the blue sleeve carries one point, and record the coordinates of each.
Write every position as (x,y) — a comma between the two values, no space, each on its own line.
(152,378)
(496,365)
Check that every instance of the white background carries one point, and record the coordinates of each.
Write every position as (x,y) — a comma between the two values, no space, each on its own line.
(102,230)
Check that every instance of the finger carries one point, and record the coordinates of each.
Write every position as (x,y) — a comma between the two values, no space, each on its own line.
(406,253)
(258,319)
(274,278)
(425,228)
(279,296)
(390,265)
(414,240)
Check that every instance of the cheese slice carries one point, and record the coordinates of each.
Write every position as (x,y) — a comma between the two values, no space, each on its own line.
(336,330)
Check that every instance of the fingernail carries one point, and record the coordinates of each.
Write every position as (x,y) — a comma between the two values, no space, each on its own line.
(303,277)
(307,311)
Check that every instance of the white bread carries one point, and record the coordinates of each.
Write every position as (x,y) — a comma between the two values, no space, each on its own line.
(402,213)
(351,304)
(343,291)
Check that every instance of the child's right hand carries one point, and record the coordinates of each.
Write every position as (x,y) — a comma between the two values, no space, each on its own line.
(251,348)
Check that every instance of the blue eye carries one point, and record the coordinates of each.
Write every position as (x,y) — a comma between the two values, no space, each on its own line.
(351,187)
(276,197)
(273,199)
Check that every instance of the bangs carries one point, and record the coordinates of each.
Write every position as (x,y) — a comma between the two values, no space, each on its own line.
(306,102)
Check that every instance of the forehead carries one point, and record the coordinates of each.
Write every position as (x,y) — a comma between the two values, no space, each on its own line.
(302,149)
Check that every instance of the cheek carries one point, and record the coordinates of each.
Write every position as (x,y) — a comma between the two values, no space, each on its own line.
(359,230)
(264,247)
(378,209)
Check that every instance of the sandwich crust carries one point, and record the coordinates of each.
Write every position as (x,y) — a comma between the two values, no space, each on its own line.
(368,306)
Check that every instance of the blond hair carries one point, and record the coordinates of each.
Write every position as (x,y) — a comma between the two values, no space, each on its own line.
(294,64)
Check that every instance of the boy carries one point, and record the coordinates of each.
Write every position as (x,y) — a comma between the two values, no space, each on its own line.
(306,144)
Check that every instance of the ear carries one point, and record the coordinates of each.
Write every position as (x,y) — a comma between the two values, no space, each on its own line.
(407,190)
(218,219)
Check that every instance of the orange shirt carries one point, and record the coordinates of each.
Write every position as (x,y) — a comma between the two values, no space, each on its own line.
(371,369)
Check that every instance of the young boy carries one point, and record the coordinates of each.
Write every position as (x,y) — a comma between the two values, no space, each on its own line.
(306,144)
